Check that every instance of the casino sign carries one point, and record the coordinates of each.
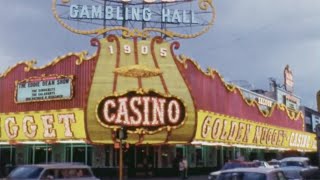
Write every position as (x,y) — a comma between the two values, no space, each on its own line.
(141,112)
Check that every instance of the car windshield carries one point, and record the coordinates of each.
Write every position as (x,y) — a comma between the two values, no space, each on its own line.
(25,172)
(242,176)
(291,163)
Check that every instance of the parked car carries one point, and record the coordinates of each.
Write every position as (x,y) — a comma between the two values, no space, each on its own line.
(52,171)
(252,174)
(262,164)
(297,167)
(275,163)
(231,165)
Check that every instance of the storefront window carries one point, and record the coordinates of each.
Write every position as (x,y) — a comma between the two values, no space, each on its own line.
(39,154)
(79,153)
(165,154)
(7,155)
(141,155)
(168,157)
(108,151)
(210,157)
(179,153)
(199,157)
(144,156)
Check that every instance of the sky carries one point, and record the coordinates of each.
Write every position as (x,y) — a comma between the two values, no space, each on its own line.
(250,40)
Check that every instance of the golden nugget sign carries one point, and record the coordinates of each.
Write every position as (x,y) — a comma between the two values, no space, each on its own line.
(136,18)
(148,111)
(227,130)
(43,125)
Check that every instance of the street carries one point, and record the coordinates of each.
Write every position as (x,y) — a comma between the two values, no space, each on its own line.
(200,177)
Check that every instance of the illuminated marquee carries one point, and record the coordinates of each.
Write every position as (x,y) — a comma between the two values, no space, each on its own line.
(42,125)
(226,130)
(149,111)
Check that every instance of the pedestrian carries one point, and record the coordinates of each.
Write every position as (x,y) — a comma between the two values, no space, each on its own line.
(185,164)
(181,169)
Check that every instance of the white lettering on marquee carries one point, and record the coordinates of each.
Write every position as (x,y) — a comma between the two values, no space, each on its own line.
(29,127)
(11,127)
(299,140)
(135,101)
(173,111)
(67,119)
(158,111)
(131,13)
(122,114)
(264,102)
(106,113)
(47,121)
(146,111)
(206,127)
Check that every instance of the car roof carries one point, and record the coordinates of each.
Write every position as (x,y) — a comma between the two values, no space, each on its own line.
(254,170)
(295,159)
(273,160)
(58,165)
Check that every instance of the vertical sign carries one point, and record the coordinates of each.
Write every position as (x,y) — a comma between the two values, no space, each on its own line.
(288,79)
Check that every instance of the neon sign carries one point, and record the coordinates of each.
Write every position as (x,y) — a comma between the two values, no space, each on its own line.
(218,128)
(42,125)
(172,18)
(288,79)
(149,111)
(130,13)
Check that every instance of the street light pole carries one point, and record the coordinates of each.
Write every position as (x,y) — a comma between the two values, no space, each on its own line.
(121,134)
(120,161)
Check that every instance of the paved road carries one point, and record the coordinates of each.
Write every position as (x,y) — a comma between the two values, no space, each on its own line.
(203,177)
(173,178)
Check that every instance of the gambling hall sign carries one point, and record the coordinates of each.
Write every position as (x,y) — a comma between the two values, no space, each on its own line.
(141,17)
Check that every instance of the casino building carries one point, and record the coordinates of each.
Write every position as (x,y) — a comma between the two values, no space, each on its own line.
(70,110)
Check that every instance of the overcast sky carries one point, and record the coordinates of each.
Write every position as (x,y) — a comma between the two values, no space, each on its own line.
(250,40)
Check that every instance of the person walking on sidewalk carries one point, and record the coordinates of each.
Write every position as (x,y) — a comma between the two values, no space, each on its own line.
(181,169)
(185,164)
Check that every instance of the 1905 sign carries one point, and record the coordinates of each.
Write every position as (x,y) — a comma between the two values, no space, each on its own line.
(145,111)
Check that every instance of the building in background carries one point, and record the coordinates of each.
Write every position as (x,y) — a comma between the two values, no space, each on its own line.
(311,118)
